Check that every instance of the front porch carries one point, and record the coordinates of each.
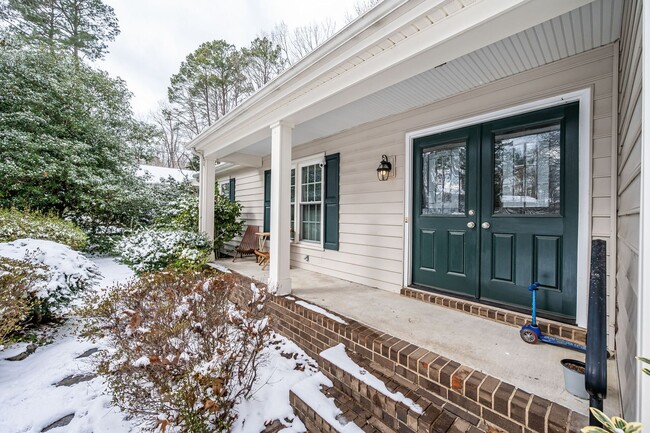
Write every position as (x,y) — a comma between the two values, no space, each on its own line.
(475,342)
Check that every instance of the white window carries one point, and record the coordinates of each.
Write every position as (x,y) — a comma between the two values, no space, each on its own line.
(307,192)
(224,188)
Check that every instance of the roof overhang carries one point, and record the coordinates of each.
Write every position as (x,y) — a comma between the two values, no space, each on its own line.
(393,42)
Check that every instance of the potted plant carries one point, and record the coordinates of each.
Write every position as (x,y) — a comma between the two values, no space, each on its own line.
(574,377)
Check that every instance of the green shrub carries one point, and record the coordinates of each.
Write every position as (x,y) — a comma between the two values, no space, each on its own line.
(15,224)
(179,210)
(182,354)
(158,249)
(227,224)
(19,281)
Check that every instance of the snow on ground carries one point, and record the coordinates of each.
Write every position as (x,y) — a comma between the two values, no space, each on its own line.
(67,267)
(337,356)
(321,311)
(286,365)
(30,400)
(308,391)
(220,268)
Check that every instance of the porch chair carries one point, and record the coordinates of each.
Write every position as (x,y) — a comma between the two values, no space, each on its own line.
(248,243)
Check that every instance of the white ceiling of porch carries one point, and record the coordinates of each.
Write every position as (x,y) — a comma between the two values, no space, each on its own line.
(586,28)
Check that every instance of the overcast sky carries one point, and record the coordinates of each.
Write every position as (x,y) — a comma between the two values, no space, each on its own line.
(156,35)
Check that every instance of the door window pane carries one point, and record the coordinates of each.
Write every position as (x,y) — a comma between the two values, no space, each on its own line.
(443,180)
(527,171)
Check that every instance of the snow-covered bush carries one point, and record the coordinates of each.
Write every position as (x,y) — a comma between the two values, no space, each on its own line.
(65,272)
(15,224)
(179,210)
(19,282)
(157,249)
(182,353)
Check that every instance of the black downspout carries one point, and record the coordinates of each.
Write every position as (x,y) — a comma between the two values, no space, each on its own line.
(596,359)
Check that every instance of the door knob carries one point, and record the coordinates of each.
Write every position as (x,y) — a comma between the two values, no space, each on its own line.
(485,225)
(471,212)
(471,224)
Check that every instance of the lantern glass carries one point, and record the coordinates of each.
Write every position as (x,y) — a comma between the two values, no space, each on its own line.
(383,171)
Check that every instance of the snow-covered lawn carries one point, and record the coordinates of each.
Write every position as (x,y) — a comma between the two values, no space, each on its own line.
(30,399)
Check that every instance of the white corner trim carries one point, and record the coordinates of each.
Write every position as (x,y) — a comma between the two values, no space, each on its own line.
(584,97)
(643,329)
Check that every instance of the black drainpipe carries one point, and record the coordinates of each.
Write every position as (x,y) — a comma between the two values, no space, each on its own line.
(596,360)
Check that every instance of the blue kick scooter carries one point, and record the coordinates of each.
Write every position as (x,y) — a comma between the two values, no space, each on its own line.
(532,334)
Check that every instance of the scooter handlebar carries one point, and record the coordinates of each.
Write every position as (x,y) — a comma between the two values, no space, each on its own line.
(534,286)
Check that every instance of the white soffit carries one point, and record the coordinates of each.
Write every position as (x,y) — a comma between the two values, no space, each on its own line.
(586,28)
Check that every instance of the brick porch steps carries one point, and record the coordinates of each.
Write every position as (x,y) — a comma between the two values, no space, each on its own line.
(351,412)
(572,333)
(437,415)
(446,383)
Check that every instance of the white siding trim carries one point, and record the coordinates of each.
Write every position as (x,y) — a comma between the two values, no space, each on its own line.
(584,97)
(643,331)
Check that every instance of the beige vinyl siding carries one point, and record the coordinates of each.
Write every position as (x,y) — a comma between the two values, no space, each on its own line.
(372,213)
(249,192)
(629,196)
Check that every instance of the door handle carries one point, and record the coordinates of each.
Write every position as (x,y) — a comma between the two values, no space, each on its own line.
(471,224)
(485,225)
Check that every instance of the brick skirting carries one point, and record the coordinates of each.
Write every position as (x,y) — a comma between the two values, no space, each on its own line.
(512,318)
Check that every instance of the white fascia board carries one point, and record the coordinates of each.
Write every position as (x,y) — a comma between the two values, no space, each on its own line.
(467,30)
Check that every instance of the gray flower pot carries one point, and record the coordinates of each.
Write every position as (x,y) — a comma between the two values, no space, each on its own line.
(574,381)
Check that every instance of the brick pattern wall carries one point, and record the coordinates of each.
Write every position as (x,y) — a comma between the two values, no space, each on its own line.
(549,327)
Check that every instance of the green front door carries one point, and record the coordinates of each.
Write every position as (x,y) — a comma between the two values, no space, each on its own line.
(496,207)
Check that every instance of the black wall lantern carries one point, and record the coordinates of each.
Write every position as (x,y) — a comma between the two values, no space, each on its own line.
(383,171)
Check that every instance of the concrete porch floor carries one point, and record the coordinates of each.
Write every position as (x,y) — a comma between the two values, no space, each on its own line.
(482,344)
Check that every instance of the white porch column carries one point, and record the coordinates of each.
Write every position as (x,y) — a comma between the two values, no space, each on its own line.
(206,196)
(280,207)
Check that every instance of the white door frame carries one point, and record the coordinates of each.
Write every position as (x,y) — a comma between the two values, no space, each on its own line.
(584,97)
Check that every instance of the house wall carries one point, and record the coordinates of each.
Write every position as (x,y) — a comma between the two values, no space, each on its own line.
(372,213)
(629,197)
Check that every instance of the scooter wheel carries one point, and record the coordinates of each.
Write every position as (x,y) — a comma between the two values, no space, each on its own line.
(528,336)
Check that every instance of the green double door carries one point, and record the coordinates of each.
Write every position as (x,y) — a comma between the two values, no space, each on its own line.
(495,207)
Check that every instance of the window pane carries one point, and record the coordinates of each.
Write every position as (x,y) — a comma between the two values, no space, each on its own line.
(527,171)
(311,222)
(443,180)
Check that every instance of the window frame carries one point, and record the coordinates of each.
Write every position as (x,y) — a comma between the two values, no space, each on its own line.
(298,165)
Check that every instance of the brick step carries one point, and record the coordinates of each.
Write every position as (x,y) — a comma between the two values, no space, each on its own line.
(350,412)
(418,410)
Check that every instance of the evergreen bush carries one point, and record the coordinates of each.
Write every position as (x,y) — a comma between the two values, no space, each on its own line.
(15,224)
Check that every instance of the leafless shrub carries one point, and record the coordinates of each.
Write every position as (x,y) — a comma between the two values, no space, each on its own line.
(18,287)
(182,353)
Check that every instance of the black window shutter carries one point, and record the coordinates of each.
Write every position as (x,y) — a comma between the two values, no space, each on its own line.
(332,202)
(267,200)
(232,189)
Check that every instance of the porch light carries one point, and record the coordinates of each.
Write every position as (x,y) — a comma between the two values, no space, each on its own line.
(383,171)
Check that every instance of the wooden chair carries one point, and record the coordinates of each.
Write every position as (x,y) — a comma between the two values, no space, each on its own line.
(248,243)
